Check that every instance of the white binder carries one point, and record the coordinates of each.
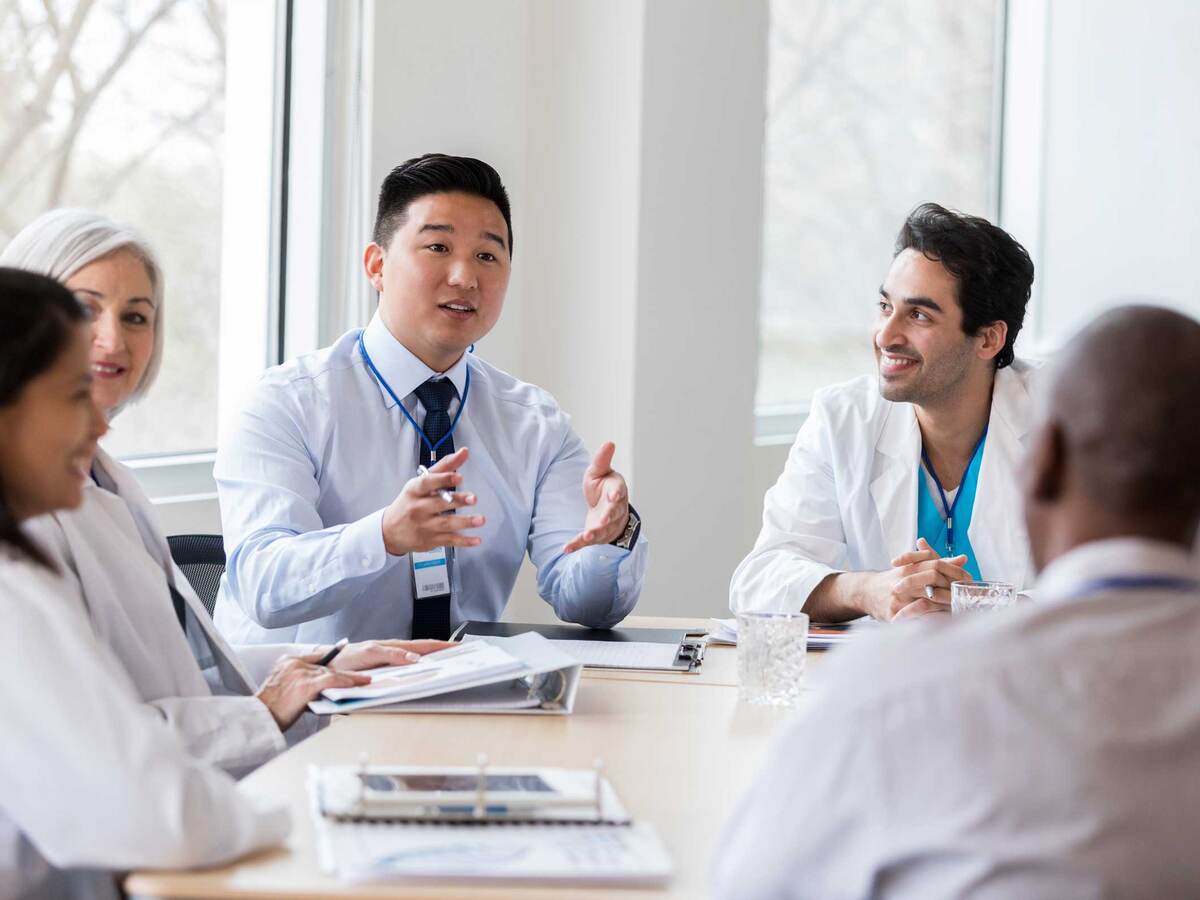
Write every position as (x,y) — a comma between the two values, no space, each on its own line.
(522,674)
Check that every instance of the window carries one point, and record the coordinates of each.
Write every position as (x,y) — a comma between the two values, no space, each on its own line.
(121,107)
(872,108)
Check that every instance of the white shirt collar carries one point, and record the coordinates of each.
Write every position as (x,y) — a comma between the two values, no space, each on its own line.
(1114,557)
(403,371)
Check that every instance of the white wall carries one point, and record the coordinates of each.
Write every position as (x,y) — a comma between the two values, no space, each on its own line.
(1103,126)
(704,95)
(452,79)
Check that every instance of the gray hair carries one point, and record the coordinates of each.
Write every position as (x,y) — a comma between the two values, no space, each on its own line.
(61,242)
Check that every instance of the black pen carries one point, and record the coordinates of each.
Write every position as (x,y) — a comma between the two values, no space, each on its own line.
(333,651)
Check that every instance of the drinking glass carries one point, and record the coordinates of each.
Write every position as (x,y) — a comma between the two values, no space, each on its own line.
(969,596)
(771,649)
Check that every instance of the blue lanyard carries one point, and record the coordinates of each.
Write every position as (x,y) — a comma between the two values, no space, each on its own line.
(950,507)
(387,387)
(1137,583)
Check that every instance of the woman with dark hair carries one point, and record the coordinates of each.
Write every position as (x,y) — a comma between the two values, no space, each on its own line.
(91,782)
(232,706)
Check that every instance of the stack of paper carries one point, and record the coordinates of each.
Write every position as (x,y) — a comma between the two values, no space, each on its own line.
(820,636)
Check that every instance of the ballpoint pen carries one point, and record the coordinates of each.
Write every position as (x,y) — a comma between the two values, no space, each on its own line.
(445,495)
(333,652)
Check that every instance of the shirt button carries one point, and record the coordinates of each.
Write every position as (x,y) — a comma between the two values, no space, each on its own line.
(366,561)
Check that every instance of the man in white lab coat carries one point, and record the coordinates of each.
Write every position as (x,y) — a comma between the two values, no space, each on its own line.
(1044,751)
(898,485)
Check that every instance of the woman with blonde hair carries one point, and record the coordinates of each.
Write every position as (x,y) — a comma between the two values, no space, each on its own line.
(230,705)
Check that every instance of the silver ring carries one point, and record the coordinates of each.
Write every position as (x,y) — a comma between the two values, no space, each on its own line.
(929,591)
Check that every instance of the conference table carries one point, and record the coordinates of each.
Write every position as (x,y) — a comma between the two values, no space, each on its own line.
(678,748)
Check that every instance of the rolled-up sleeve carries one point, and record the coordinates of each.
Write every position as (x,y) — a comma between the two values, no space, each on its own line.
(802,538)
(284,566)
(596,586)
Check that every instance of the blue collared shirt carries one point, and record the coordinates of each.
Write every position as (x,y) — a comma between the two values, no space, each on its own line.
(321,450)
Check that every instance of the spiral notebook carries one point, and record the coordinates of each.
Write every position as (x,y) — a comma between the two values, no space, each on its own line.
(608,848)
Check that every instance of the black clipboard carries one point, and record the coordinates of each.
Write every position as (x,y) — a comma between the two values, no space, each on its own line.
(688,657)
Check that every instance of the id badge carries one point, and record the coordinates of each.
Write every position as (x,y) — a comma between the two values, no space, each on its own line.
(431,572)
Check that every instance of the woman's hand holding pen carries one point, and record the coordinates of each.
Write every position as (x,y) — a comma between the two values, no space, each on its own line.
(417,520)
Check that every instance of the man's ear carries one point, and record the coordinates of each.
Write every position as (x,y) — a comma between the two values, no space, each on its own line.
(994,335)
(1046,464)
(373,266)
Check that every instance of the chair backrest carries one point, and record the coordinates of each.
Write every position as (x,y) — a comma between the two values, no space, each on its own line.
(202,559)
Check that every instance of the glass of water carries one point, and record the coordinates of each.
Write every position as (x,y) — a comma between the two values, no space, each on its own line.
(968,596)
(771,649)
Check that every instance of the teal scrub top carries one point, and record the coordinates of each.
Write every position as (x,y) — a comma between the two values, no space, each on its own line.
(931,515)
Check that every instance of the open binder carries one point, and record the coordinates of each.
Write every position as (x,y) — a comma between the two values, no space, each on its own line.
(557,825)
(522,674)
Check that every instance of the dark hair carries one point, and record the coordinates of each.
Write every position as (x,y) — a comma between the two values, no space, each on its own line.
(36,318)
(436,173)
(995,274)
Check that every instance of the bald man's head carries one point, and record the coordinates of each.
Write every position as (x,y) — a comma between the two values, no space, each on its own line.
(1117,453)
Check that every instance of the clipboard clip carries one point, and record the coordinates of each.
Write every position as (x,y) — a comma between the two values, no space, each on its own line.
(690,655)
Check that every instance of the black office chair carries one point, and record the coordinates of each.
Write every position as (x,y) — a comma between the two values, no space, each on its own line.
(202,559)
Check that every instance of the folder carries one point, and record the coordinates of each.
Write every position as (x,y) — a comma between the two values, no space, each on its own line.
(521,674)
(652,649)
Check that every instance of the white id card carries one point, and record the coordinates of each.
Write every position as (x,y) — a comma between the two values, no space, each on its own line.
(431,572)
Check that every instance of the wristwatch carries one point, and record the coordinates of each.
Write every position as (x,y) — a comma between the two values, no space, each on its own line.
(632,529)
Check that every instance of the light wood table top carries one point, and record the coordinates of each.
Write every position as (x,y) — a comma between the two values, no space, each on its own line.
(679,757)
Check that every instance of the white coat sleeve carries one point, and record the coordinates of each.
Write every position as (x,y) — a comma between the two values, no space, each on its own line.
(802,538)
(235,733)
(89,774)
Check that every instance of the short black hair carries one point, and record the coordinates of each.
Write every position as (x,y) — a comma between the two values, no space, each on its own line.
(37,316)
(436,173)
(994,272)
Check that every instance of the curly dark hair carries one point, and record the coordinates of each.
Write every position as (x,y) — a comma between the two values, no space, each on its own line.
(994,272)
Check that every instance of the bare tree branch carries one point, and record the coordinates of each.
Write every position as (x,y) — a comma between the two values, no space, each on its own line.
(174,127)
(216,24)
(85,103)
(49,79)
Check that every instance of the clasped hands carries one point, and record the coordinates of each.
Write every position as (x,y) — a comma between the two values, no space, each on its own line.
(901,591)
(417,520)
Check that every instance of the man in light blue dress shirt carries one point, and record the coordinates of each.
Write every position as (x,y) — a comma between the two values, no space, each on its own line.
(321,503)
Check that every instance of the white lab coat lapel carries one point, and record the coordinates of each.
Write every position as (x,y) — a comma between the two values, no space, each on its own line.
(894,479)
(997,529)
(233,675)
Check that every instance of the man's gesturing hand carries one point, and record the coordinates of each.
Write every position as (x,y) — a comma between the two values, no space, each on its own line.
(607,498)
(415,520)
(295,681)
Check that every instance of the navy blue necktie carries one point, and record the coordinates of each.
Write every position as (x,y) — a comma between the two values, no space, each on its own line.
(431,616)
